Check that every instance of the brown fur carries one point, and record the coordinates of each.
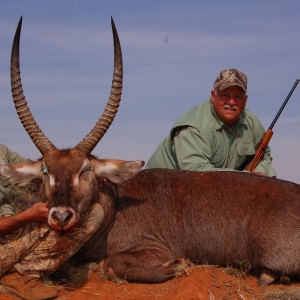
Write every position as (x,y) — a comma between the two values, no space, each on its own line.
(161,216)
(158,217)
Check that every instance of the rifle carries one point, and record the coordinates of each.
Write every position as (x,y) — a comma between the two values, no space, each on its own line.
(251,162)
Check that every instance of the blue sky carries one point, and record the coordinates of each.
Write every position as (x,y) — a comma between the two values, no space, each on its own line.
(172,52)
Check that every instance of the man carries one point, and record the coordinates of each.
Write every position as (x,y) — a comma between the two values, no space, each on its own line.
(29,249)
(217,135)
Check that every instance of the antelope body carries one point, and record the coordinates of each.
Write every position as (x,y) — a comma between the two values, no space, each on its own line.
(153,219)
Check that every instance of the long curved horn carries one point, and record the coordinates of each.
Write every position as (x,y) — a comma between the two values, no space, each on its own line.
(92,139)
(23,111)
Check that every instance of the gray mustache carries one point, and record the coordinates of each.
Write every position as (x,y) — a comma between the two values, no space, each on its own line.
(230,107)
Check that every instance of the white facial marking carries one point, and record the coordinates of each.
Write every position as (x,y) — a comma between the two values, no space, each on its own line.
(76,180)
(51,180)
(26,170)
(108,168)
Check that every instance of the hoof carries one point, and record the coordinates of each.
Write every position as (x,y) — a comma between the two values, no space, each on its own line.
(266,278)
(285,279)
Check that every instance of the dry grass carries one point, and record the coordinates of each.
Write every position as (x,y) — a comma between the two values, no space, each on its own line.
(289,294)
(239,269)
(183,268)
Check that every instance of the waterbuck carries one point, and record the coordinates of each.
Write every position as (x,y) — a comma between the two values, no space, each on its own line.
(153,219)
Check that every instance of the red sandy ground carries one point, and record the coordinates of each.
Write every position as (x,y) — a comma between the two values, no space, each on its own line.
(198,282)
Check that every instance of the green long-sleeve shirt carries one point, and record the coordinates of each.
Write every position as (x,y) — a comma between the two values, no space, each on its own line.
(7,157)
(200,141)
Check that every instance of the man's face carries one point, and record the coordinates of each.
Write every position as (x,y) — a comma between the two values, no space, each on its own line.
(228,104)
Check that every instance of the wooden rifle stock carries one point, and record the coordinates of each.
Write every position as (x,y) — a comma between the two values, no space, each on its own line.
(260,151)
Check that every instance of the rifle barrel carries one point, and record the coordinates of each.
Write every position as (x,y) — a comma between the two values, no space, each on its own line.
(284,103)
(251,161)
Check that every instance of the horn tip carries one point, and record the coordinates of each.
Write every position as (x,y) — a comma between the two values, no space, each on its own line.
(113,25)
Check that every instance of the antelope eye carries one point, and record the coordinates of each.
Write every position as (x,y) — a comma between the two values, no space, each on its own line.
(85,169)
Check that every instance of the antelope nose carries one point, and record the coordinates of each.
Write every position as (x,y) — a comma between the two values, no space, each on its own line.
(62,217)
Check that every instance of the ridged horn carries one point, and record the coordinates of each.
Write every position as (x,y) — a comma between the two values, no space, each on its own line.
(91,140)
(23,111)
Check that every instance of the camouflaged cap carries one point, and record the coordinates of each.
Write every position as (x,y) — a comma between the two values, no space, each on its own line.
(231,77)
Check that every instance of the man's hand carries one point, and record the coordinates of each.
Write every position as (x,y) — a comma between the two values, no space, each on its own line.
(38,212)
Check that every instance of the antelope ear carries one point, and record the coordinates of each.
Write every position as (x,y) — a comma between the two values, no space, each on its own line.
(22,174)
(116,170)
